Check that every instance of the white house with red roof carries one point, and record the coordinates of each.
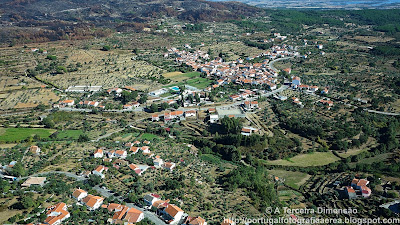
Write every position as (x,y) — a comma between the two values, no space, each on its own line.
(121,154)
(135,168)
(93,202)
(296,81)
(158,162)
(56,214)
(195,221)
(190,113)
(174,213)
(34,149)
(67,102)
(98,153)
(79,194)
(155,117)
(151,198)
(169,166)
(99,171)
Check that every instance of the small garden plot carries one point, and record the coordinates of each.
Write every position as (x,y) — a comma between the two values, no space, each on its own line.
(305,160)
(290,178)
(18,134)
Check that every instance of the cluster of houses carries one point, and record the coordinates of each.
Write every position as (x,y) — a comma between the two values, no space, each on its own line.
(243,95)
(296,84)
(250,105)
(95,104)
(117,158)
(238,71)
(297,101)
(247,131)
(92,202)
(358,186)
(122,213)
(71,103)
(91,104)
(171,213)
(327,103)
(56,214)
(169,116)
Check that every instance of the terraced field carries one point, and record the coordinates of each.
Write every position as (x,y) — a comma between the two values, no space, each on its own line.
(304,160)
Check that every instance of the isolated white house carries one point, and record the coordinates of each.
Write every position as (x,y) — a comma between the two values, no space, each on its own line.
(151,198)
(98,153)
(79,194)
(174,212)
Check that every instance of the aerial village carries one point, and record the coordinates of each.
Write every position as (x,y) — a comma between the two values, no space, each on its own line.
(256,78)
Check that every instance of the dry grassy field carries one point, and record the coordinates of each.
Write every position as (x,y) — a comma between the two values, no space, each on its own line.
(304,160)
(234,50)
(113,68)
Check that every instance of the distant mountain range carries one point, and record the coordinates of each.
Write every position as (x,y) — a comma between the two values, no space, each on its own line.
(121,10)
(323,4)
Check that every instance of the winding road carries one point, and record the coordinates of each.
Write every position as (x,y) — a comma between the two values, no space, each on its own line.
(271,63)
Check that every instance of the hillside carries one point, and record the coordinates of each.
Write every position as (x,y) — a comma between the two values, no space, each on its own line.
(23,21)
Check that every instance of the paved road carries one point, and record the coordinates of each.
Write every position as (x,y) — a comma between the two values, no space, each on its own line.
(107,135)
(148,214)
(384,113)
(271,64)
(68,109)
(68,174)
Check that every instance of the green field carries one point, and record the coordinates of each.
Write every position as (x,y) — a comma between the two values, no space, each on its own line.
(18,134)
(304,160)
(148,136)
(291,179)
(378,158)
(130,134)
(211,158)
(191,78)
(199,82)
(69,134)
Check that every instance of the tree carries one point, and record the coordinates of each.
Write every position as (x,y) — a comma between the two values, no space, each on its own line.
(127,96)
(4,186)
(154,107)
(51,57)
(48,123)
(83,138)
(164,105)
(132,197)
(40,107)
(94,180)
(106,48)
(18,170)
(231,125)
(27,202)
(143,99)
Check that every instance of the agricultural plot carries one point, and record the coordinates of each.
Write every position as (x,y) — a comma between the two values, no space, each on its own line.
(28,98)
(191,78)
(18,134)
(14,61)
(233,50)
(148,136)
(305,160)
(113,68)
(290,178)
(69,134)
